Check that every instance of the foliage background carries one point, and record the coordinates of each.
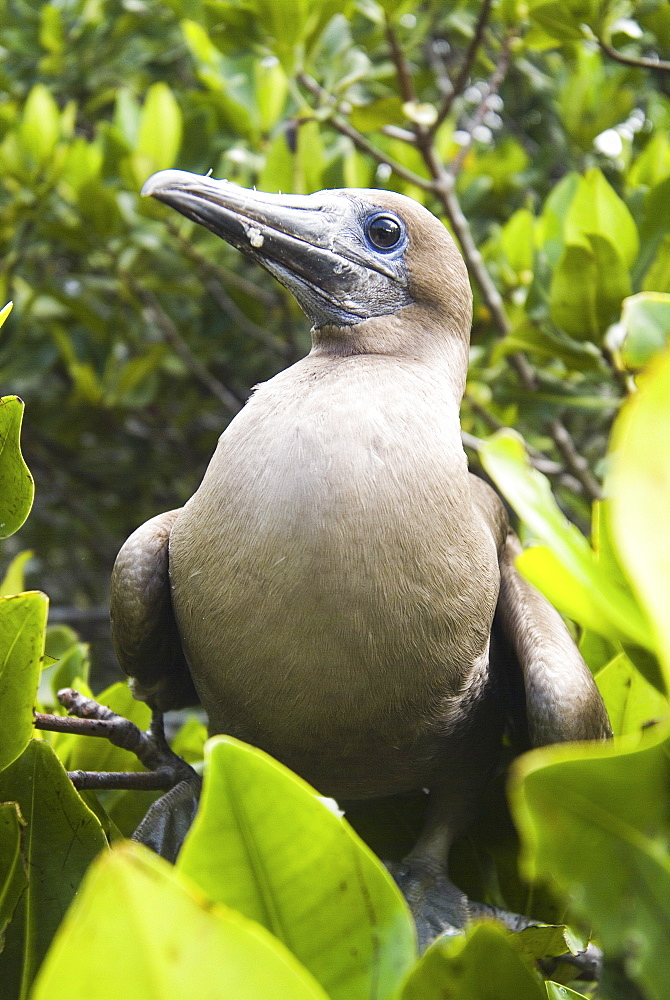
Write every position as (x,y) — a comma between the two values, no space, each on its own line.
(136,336)
(538,132)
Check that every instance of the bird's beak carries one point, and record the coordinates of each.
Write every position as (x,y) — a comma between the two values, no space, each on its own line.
(295,237)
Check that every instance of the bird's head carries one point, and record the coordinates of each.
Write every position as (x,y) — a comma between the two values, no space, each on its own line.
(349,256)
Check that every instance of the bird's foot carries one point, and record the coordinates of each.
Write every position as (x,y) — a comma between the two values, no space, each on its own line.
(437,905)
(441,909)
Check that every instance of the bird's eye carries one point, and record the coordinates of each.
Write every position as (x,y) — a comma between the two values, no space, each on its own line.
(384,232)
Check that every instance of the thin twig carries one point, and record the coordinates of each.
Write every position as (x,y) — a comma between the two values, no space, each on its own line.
(157,315)
(492,87)
(574,461)
(468,62)
(221,274)
(398,56)
(246,325)
(639,62)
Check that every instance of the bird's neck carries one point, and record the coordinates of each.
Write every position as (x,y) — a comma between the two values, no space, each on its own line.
(442,349)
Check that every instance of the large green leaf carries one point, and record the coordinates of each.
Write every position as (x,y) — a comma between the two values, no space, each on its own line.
(13,877)
(23,621)
(139,931)
(594,823)
(16,484)
(159,132)
(40,124)
(483,965)
(61,839)
(589,284)
(597,209)
(645,325)
(640,488)
(13,581)
(267,845)
(565,567)
(632,702)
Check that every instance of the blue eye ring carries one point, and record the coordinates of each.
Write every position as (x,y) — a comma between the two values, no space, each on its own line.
(384,231)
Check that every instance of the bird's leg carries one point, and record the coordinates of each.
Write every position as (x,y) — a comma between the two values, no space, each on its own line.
(89,718)
(437,905)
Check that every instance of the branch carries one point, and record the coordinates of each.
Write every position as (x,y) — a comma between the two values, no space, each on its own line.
(166,769)
(344,128)
(640,62)
(464,72)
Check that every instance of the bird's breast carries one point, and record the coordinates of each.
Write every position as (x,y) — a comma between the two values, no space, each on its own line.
(333,586)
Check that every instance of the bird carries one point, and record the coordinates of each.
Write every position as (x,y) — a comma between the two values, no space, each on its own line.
(341,590)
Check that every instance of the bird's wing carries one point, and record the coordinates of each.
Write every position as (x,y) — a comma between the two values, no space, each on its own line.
(144,630)
(553,697)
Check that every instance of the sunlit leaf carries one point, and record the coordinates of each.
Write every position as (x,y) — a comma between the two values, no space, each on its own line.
(484,965)
(640,488)
(593,821)
(160,128)
(320,890)
(570,576)
(40,124)
(588,286)
(61,839)
(596,209)
(140,931)
(16,484)
(13,581)
(22,624)
(644,328)
(631,701)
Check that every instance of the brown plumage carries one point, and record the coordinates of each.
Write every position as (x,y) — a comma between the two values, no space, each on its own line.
(344,589)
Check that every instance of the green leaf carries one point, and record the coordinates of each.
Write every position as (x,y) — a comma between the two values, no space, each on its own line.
(570,576)
(13,879)
(557,20)
(23,621)
(5,311)
(557,992)
(271,86)
(374,116)
(594,822)
(596,209)
(632,702)
(518,243)
(588,286)
(483,964)
(40,124)
(551,225)
(61,839)
(159,133)
(653,164)
(17,488)
(13,580)
(319,888)
(640,490)
(139,930)
(645,325)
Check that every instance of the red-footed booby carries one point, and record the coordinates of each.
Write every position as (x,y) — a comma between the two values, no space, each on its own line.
(340,591)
